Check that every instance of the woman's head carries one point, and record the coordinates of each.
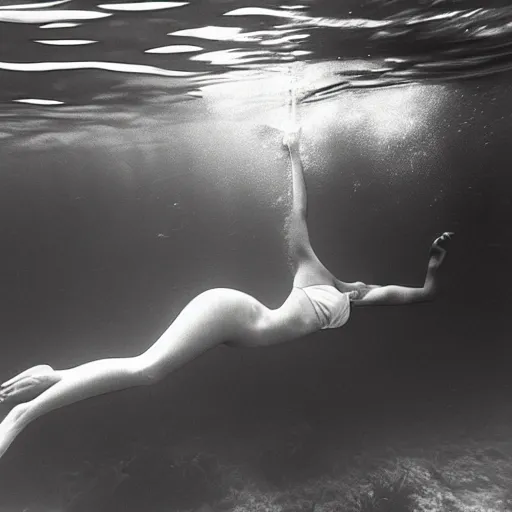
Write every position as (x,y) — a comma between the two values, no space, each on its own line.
(358,290)
(354,295)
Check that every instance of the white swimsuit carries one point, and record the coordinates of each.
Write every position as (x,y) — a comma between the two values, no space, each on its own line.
(331,306)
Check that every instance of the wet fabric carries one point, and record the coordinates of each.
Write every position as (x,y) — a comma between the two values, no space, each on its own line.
(331,306)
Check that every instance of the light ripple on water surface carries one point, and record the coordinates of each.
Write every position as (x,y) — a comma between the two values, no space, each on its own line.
(245,42)
(41,5)
(36,16)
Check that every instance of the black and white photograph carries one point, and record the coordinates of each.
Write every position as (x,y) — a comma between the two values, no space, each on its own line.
(255,256)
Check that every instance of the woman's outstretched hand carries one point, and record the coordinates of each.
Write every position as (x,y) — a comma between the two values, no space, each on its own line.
(291,137)
(438,249)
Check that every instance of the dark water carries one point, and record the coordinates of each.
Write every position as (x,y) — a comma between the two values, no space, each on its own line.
(121,203)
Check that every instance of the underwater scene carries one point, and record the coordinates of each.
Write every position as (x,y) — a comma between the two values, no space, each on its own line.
(162,341)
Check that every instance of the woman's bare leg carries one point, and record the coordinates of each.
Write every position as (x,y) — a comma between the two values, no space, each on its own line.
(207,321)
(308,269)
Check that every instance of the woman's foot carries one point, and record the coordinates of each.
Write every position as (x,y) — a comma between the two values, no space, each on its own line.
(28,384)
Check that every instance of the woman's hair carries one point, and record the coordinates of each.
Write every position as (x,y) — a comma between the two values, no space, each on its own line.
(354,295)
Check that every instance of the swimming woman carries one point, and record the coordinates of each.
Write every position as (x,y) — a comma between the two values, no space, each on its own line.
(218,316)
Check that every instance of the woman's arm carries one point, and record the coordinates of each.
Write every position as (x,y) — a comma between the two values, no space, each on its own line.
(300,200)
(390,295)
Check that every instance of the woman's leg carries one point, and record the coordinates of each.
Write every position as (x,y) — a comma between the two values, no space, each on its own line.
(207,321)
(308,269)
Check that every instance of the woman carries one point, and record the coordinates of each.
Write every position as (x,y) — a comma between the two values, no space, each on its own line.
(219,316)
